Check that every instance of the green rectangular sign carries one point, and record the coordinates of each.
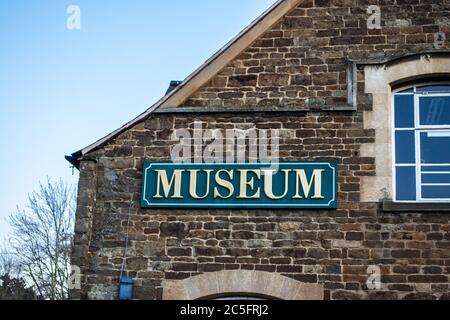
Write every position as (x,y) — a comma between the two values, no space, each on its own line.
(240,185)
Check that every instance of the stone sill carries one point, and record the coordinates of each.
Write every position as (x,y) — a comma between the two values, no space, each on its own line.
(251,110)
(390,206)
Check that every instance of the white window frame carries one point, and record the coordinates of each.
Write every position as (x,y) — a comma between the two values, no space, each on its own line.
(418,129)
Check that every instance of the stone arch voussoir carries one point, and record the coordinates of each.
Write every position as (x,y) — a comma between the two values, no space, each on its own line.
(256,283)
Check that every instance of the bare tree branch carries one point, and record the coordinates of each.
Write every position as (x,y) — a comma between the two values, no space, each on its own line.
(42,236)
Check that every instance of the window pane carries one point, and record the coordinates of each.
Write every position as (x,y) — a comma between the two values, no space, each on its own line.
(404,111)
(405,147)
(435,168)
(436,192)
(407,90)
(435,110)
(435,88)
(436,178)
(406,183)
(435,147)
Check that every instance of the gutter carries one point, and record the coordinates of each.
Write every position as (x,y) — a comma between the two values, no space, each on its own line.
(74,159)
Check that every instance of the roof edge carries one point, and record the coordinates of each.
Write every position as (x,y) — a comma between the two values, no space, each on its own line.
(208,69)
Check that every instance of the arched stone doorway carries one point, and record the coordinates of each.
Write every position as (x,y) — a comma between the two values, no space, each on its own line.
(241,283)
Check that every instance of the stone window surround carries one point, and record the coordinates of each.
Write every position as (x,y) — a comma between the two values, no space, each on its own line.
(380,79)
(241,282)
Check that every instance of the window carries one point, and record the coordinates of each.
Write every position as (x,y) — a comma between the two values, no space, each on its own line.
(422,144)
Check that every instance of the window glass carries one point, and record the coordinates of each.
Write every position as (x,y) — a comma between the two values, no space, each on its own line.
(404,147)
(435,147)
(434,110)
(436,178)
(406,183)
(404,111)
(436,192)
(426,169)
(434,88)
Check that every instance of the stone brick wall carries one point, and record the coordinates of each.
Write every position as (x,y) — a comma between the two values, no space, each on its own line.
(301,63)
(332,247)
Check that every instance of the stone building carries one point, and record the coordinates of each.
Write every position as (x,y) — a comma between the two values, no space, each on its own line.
(364,83)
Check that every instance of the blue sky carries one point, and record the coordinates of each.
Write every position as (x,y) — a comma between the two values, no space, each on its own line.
(62,89)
